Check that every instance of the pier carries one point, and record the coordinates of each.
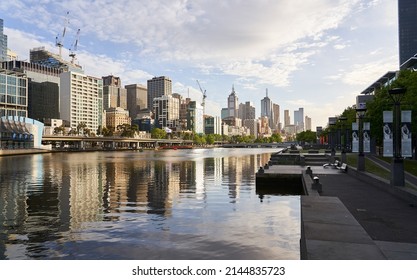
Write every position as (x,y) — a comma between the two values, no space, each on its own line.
(345,214)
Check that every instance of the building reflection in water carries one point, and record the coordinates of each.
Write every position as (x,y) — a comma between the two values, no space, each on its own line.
(43,198)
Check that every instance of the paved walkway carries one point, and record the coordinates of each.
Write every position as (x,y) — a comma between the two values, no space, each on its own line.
(390,221)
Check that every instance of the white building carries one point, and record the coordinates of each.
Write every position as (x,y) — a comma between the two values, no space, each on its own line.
(81,100)
(167,111)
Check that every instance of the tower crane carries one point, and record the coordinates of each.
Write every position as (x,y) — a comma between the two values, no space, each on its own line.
(204,97)
(73,48)
(59,40)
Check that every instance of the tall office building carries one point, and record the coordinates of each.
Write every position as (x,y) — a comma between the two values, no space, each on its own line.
(232,104)
(287,120)
(158,87)
(113,93)
(81,100)
(266,109)
(407,22)
(299,119)
(137,99)
(3,43)
(247,111)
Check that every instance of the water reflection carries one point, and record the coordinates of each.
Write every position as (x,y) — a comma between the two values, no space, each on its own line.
(197,204)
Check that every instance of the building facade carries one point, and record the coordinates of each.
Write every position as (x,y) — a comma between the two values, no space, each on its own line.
(276,117)
(307,123)
(407,22)
(287,120)
(137,99)
(117,116)
(299,119)
(266,110)
(213,125)
(43,88)
(13,94)
(247,111)
(3,43)
(158,87)
(232,104)
(113,93)
(166,109)
(195,120)
(81,100)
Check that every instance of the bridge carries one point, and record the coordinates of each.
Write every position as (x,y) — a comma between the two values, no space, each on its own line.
(59,142)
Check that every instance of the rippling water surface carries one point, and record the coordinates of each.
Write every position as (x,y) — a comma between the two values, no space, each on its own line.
(173,204)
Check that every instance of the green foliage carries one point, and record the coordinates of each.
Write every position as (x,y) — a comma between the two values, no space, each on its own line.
(307,136)
(158,133)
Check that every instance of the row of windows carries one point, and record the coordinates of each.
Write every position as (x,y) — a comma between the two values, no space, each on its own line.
(12,80)
(13,100)
(12,112)
(12,90)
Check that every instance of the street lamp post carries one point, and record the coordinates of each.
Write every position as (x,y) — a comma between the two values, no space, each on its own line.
(342,120)
(397,165)
(360,110)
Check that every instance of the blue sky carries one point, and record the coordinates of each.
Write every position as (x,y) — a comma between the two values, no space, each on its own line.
(315,54)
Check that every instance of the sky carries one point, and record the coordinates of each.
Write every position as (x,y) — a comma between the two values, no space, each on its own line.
(317,54)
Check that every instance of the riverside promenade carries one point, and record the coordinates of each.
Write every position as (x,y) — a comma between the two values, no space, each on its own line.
(356,216)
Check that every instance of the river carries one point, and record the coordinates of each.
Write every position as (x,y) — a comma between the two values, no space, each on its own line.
(156,205)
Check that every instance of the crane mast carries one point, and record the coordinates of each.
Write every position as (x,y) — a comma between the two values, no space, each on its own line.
(60,38)
(204,97)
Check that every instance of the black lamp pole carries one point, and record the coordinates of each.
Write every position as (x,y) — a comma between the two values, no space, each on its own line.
(397,165)
(361,156)
(343,133)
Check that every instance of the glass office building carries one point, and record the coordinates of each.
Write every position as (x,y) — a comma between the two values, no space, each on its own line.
(13,94)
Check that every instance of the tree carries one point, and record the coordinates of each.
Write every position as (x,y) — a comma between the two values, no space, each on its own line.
(307,136)
(158,133)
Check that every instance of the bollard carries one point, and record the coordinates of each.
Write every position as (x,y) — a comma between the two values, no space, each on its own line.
(266,166)
(261,170)
(316,185)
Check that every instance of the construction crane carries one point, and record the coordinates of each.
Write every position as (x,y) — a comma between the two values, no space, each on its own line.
(73,48)
(204,97)
(60,39)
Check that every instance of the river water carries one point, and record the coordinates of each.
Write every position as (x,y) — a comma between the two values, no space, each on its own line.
(123,205)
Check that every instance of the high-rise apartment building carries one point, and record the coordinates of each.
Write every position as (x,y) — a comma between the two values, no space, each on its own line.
(13,94)
(266,110)
(407,22)
(113,93)
(167,111)
(232,104)
(81,100)
(3,43)
(158,87)
(137,99)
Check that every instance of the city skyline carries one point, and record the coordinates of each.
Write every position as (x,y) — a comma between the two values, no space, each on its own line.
(321,65)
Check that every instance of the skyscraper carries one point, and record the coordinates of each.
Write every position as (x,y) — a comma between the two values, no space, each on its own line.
(266,109)
(3,43)
(287,120)
(113,94)
(276,120)
(247,111)
(158,87)
(232,104)
(299,119)
(137,99)
(407,22)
